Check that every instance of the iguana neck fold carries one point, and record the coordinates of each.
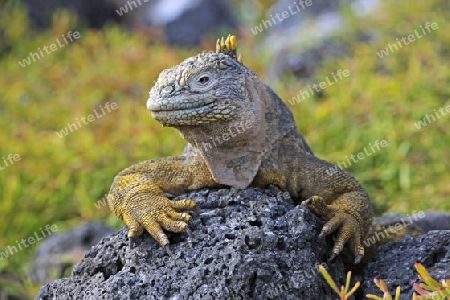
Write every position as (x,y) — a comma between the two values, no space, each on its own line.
(236,160)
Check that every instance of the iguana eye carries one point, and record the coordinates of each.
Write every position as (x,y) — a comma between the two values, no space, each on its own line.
(203,79)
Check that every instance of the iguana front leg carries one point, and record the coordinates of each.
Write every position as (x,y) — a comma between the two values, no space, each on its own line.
(339,198)
(329,192)
(137,195)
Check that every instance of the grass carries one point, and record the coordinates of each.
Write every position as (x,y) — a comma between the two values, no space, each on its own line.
(58,180)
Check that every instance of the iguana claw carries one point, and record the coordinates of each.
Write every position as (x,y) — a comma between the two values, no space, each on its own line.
(358,259)
(131,242)
(189,232)
(332,257)
(168,250)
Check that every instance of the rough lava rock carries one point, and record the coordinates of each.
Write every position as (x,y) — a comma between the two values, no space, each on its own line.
(247,244)
(394,262)
(60,252)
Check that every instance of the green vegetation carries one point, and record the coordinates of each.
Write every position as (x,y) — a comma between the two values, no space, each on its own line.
(344,292)
(58,180)
(428,289)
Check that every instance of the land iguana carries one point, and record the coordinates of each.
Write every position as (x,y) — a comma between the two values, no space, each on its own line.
(239,134)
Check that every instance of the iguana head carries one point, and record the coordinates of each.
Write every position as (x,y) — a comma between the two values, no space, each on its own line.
(206,88)
(211,95)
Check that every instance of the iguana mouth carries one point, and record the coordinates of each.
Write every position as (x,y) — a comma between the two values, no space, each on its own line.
(193,115)
(195,111)
(177,106)
(200,112)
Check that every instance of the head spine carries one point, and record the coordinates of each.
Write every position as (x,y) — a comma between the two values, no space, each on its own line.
(228,46)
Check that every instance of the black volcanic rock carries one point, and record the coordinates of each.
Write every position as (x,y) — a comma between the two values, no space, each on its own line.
(60,252)
(248,244)
(394,262)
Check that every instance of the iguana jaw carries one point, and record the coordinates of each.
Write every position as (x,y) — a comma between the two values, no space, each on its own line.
(191,114)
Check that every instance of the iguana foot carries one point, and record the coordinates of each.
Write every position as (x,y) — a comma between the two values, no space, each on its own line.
(349,228)
(155,213)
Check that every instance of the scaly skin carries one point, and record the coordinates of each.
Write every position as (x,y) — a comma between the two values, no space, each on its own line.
(239,134)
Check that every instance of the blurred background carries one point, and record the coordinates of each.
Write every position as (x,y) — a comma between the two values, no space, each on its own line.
(52,173)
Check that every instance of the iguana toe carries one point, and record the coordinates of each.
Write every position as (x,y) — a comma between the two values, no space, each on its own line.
(155,213)
(134,230)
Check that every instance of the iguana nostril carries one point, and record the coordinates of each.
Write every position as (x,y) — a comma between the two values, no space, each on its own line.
(167,89)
